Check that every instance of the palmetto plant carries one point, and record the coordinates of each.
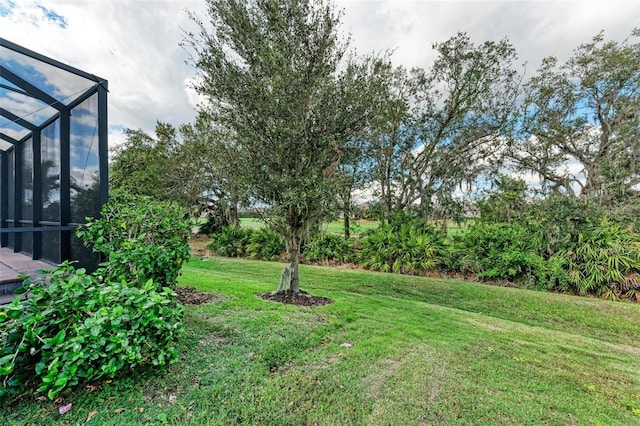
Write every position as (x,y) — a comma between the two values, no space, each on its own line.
(500,251)
(264,244)
(260,244)
(327,247)
(230,242)
(408,248)
(605,261)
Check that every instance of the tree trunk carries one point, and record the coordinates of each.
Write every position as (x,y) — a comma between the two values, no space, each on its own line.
(290,279)
(346,211)
(347,232)
(233,211)
(233,215)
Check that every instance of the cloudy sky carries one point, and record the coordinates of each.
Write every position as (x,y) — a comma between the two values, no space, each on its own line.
(135,43)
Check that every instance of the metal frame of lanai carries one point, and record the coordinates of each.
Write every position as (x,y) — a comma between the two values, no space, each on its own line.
(53,154)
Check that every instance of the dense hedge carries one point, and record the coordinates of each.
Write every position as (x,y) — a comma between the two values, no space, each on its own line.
(143,239)
(78,327)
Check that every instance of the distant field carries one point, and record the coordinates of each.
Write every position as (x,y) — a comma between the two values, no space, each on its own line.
(251,222)
(337,226)
(357,226)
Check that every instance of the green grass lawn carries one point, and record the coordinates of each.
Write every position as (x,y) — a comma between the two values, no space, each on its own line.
(335,227)
(357,226)
(423,351)
(251,222)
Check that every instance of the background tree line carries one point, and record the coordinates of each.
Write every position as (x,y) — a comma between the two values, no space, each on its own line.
(295,123)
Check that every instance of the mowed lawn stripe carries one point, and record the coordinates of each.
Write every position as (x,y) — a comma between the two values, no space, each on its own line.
(390,350)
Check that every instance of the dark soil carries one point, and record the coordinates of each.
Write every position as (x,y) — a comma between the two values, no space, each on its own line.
(191,296)
(300,299)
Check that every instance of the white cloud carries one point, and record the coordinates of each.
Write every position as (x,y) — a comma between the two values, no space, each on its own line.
(134,43)
(536,28)
(194,97)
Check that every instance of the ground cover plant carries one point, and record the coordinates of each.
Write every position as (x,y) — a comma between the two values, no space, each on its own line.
(76,327)
(390,349)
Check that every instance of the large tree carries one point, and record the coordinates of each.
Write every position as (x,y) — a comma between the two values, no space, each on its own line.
(140,165)
(392,139)
(439,127)
(204,169)
(579,127)
(275,76)
(189,165)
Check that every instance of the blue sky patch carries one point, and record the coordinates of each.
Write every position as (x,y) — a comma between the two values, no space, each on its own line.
(6,7)
(54,17)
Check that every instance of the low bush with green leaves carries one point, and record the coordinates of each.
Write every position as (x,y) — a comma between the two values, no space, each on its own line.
(231,241)
(556,222)
(142,238)
(565,244)
(258,244)
(501,251)
(605,261)
(326,247)
(264,244)
(556,244)
(403,246)
(76,328)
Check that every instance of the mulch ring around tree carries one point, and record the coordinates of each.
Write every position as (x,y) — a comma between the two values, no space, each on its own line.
(291,298)
(191,296)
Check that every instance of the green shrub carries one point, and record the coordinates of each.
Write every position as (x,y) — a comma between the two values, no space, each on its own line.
(501,251)
(556,222)
(325,247)
(264,244)
(410,247)
(77,329)
(231,242)
(259,244)
(143,239)
(605,261)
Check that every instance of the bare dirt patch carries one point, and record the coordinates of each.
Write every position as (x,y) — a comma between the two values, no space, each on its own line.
(191,296)
(435,390)
(198,246)
(301,298)
(380,374)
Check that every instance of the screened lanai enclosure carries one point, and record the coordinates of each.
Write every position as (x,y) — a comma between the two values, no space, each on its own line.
(53,154)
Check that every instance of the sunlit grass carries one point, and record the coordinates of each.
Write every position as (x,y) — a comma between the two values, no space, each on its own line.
(252,222)
(335,227)
(357,226)
(423,351)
